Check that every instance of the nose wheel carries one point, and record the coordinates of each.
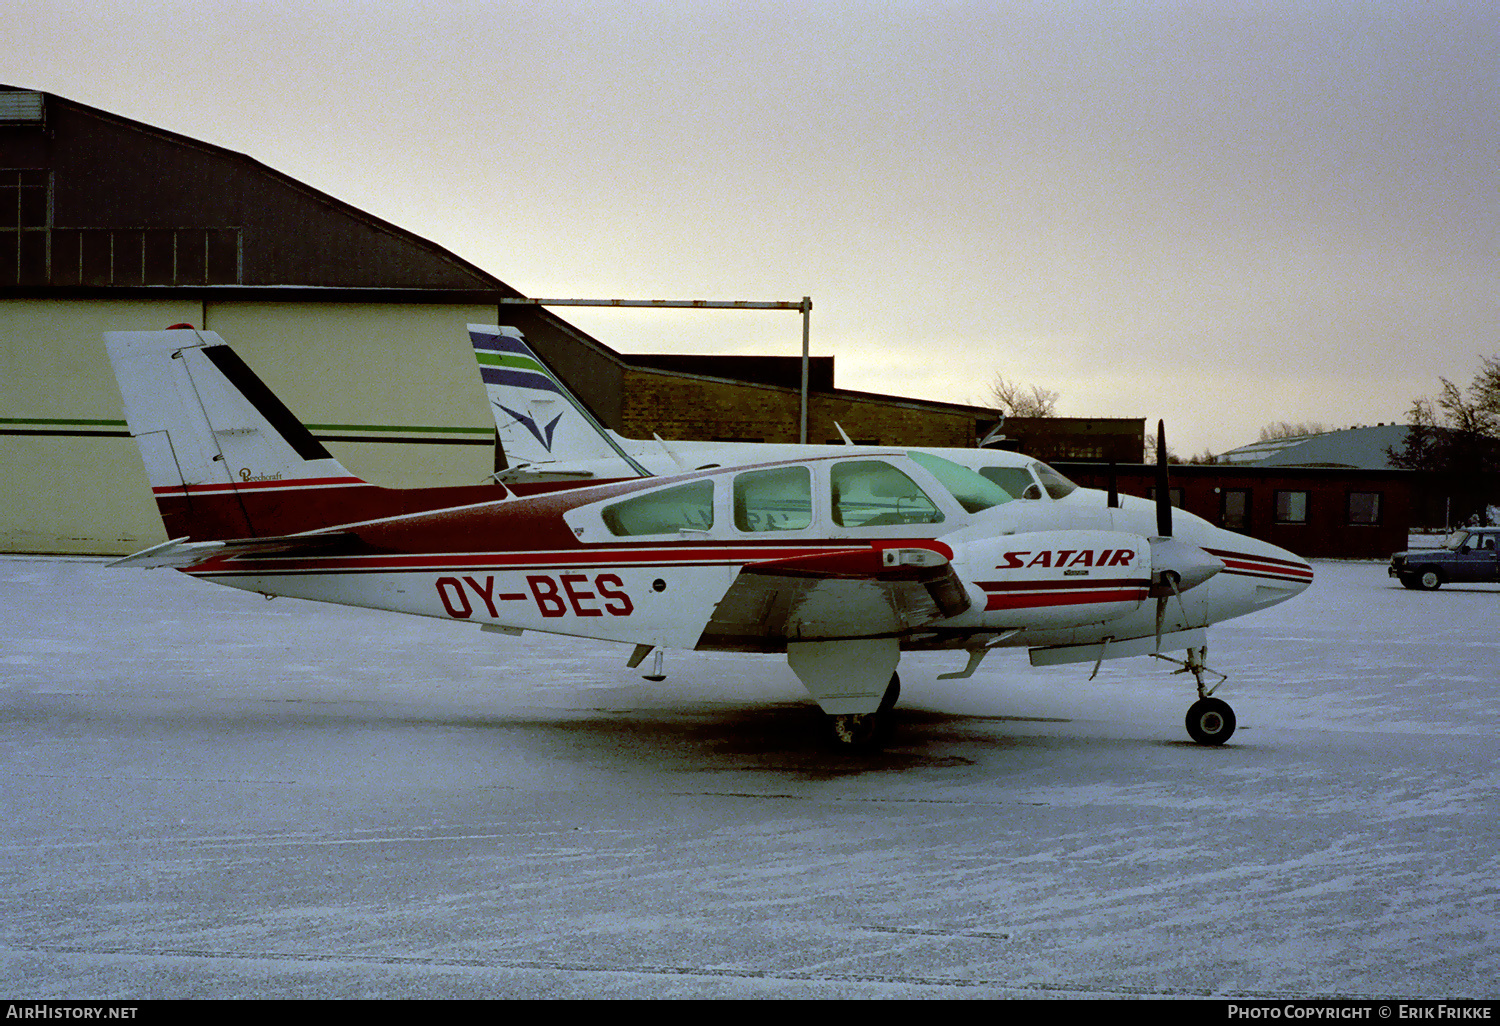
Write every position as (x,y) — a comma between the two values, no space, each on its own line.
(1210,721)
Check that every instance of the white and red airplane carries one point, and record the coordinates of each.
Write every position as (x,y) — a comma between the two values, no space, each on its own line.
(841,560)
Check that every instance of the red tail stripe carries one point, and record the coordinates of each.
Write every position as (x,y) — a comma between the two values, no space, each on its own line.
(304,482)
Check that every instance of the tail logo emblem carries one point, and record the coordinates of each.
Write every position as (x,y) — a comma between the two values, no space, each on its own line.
(532,426)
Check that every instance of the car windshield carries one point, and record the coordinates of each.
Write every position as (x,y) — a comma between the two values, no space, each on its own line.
(1455,540)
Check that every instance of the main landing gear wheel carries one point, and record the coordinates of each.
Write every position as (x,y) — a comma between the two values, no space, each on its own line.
(866,731)
(1210,721)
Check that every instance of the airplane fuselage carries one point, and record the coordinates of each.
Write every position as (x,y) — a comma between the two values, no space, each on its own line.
(1032,573)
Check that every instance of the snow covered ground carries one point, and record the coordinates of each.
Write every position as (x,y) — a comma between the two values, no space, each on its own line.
(210,795)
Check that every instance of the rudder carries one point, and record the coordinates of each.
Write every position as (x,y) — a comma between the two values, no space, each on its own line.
(224,456)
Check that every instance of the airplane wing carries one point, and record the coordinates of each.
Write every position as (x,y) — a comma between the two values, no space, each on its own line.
(535,414)
(850,594)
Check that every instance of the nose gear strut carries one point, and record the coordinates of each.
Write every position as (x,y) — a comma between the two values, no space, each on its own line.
(1209,720)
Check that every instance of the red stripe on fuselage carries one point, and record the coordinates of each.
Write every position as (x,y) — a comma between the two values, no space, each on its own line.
(1032,600)
(1242,565)
(611,557)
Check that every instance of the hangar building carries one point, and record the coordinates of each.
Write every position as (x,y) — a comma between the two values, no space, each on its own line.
(110,224)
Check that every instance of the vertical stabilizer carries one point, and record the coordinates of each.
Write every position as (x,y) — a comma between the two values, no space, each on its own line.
(535,414)
(225,457)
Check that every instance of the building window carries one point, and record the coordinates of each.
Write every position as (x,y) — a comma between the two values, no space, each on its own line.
(1364,508)
(1235,512)
(25,216)
(1291,507)
(1174,496)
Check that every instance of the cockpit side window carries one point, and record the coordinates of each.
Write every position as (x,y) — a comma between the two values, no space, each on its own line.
(688,507)
(779,499)
(872,493)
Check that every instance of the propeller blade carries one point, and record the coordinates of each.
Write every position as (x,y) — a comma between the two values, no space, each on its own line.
(1114,487)
(1163,484)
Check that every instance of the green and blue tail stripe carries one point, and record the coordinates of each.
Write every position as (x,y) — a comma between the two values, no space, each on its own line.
(508,361)
(515,378)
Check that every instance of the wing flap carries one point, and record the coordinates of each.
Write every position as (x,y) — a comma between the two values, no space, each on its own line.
(860,593)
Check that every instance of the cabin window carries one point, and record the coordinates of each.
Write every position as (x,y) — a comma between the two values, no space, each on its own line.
(1291,507)
(773,500)
(872,493)
(688,507)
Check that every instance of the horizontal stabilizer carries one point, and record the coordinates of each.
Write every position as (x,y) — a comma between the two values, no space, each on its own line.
(180,552)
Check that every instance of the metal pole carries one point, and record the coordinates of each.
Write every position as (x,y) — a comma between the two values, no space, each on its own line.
(804,307)
(806,315)
(699,304)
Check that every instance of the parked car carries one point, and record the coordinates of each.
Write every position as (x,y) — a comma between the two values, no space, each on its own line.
(1468,554)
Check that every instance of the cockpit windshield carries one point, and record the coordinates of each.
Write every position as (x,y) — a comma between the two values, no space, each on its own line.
(1057,486)
(973,491)
(1029,482)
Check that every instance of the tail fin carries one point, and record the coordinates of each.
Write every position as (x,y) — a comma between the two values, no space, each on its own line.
(538,419)
(225,457)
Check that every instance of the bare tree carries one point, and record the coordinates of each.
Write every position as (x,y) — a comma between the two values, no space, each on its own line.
(1016,400)
(1286,429)
(1456,438)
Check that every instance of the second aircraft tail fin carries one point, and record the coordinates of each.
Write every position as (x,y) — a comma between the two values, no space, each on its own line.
(539,421)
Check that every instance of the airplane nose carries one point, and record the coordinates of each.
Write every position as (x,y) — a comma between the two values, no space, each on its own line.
(1277,573)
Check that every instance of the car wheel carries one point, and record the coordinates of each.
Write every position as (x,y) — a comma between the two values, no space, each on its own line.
(1429,578)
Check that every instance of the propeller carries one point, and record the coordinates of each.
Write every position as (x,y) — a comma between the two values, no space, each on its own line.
(1163,484)
(1175,565)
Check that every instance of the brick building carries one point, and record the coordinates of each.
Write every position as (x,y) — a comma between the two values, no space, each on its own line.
(1312,511)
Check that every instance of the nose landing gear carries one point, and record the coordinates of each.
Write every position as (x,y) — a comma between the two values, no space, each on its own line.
(1209,720)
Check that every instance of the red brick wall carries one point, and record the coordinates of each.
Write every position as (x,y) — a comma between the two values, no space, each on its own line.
(693,408)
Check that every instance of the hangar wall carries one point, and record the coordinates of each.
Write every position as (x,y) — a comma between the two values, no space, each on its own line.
(391,389)
(358,324)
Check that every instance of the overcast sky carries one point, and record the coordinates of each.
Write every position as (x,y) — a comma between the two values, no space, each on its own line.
(1225,214)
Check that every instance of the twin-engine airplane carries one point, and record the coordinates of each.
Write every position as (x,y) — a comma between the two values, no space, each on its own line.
(841,560)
